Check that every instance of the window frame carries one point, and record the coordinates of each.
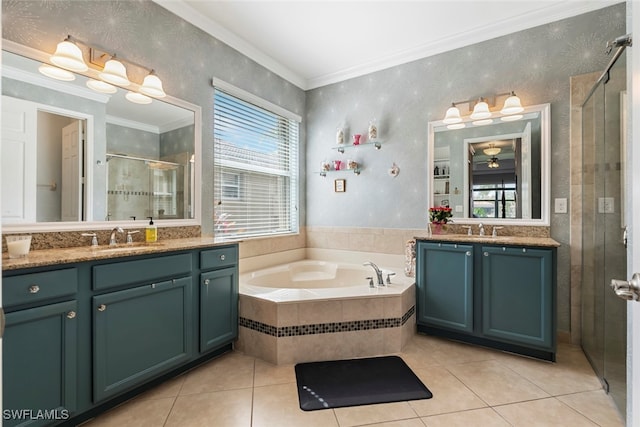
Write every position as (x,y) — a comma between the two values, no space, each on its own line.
(290,171)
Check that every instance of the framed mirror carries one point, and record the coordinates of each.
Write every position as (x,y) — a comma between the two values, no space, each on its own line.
(493,173)
(73,158)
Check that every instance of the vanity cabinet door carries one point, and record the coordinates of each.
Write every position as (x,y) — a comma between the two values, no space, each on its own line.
(140,333)
(218,308)
(444,286)
(518,296)
(39,365)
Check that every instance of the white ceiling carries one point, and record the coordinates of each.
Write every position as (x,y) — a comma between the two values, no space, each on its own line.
(315,43)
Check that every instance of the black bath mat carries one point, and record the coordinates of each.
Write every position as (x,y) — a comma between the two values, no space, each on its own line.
(335,384)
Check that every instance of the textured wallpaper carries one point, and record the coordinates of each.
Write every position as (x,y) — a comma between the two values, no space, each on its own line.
(536,63)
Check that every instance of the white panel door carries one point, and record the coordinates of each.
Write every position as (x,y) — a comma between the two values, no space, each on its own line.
(19,165)
(72,159)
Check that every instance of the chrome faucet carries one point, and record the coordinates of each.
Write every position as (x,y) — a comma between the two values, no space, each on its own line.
(495,231)
(378,272)
(480,229)
(112,239)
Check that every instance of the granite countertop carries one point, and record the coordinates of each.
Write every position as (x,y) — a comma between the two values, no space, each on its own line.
(46,257)
(499,240)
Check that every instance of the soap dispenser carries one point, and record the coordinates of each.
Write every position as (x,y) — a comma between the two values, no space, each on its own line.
(151,232)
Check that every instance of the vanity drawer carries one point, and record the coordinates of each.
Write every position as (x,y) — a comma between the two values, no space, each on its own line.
(36,287)
(141,271)
(219,257)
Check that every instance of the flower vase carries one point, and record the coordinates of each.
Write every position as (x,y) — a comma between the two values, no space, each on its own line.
(437,228)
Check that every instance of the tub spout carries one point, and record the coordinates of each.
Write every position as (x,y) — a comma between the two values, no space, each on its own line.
(378,272)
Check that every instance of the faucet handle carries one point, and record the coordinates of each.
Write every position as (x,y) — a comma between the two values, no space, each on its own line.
(469,232)
(495,231)
(371,285)
(389,277)
(129,233)
(94,238)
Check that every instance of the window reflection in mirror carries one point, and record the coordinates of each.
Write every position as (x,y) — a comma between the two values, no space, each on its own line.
(496,172)
(59,140)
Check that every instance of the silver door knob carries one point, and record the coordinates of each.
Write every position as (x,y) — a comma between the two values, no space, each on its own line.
(71,314)
(206,281)
(102,307)
(627,289)
(34,289)
(222,257)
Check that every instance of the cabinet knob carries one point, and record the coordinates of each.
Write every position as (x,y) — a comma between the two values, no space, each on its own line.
(468,253)
(34,289)
(102,307)
(524,250)
(486,253)
(222,257)
(206,281)
(71,314)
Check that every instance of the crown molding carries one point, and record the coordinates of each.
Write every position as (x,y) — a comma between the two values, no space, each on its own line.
(544,15)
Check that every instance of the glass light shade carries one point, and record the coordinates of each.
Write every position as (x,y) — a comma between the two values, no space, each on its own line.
(115,73)
(456,126)
(102,87)
(512,105)
(511,118)
(493,163)
(56,73)
(452,116)
(69,56)
(481,111)
(152,86)
(492,150)
(138,98)
(483,122)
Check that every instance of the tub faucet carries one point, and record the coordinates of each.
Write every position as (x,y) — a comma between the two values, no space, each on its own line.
(378,272)
(112,239)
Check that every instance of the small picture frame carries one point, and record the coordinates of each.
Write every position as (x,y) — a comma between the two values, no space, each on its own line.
(340,185)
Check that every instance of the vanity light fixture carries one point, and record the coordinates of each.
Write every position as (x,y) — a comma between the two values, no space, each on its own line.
(69,56)
(481,110)
(152,86)
(512,105)
(100,86)
(114,72)
(138,98)
(56,73)
(452,116)
(481,114)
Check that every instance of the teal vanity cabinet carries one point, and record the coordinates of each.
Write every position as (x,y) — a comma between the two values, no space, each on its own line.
(145,329)
(87,335)
(39,347)
(518,295)
(497,296)
(445,297)
(218,297)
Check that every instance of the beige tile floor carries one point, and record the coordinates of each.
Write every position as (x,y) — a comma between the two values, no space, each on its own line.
(472,386)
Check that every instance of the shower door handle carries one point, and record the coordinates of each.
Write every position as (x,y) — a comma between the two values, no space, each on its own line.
(627,289)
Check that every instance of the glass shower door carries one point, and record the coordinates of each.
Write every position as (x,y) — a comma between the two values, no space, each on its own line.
(604,318)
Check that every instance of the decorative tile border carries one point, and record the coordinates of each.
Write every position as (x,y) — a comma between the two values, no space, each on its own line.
(326,328)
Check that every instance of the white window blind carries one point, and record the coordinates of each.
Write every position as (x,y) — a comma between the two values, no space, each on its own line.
(255,169)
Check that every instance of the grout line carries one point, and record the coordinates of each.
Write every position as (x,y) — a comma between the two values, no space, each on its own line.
(253,391)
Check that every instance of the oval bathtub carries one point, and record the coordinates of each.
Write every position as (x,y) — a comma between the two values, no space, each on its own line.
(314,310)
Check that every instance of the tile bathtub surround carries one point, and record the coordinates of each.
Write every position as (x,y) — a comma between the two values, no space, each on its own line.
(282,333)
(240,390)
(72,239)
